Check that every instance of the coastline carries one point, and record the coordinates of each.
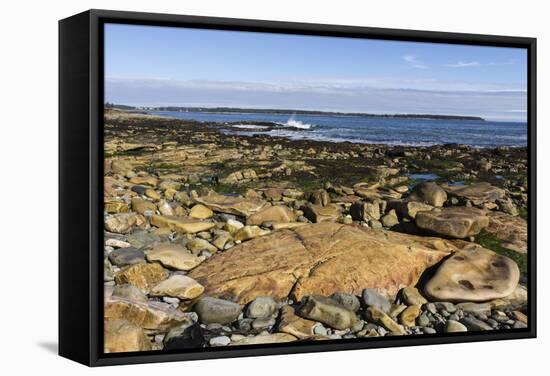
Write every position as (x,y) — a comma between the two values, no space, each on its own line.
(237,240)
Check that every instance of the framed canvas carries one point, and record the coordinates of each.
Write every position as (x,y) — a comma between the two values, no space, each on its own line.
(236,187)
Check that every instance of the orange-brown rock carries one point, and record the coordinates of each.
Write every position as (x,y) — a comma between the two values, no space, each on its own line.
(148,315)
(511,230)
(144,276)
(279,214)
(123,336)
(293,324)
(321,259)
(231,205)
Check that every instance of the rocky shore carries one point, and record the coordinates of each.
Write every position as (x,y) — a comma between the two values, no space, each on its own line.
(214,239)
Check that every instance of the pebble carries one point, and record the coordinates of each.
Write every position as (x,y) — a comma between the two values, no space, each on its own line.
(219,341)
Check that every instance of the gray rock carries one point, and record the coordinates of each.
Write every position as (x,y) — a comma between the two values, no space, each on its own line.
(445,306)
(455,326)
(454,317)
(262,306)
(327,311)
(372,298)
(429,193)
(130,292)
(349,301)
(213,310)
(493,323)
(184,337)
(519,325)
(263,323)
(126,256)
(423,320)
(244,325)
(358,326)
(142,239)
(430,307)
(320,330)
(219,341)
(428,330)
(479,308)
(474,324)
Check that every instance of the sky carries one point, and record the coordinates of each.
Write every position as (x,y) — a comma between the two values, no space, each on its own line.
(168,66)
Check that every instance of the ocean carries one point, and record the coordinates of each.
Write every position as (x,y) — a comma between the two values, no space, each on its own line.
(358,129)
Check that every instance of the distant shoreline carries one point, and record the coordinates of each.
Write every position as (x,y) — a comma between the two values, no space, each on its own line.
(296,112)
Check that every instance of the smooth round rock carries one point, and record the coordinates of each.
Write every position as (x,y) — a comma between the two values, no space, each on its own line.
(474,275)
(454,326)
(262,306)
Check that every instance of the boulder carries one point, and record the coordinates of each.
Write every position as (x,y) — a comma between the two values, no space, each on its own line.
(123,336)
(412,296)
(143,276)
(130,292)
(120,166)
(231,205)
(321,259)
(409,315)
(390,219)
(178,286)
(455,222)
(249,232)
(123,223)
(318,213)
(293,324)
(262,306)
(377,316)
(364,211)
(453,326)
(182,225)
(371,298)
(349,301)
(408,209)
(184,336)
(115,207)
(278,213)
(474,325)
(429,193)
(150,181)
(319,197)
(173,256)
(126,256)
(218,311)
(474,275)
(148,315)
(477,194)
(327,311)
(200,211)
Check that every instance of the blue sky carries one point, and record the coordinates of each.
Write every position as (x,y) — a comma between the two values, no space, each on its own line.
(153,66)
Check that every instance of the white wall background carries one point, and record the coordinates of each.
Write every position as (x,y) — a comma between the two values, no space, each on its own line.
(28,185)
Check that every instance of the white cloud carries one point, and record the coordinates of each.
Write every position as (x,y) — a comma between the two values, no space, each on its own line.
(374,95)
(414,62)
(464,64)
(469,64)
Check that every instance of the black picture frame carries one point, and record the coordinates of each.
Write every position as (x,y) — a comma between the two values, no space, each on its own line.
(81,165)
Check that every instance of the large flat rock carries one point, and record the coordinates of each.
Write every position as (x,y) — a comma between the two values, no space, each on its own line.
(322,259)
(455,222)
(477,193)
(231,205)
